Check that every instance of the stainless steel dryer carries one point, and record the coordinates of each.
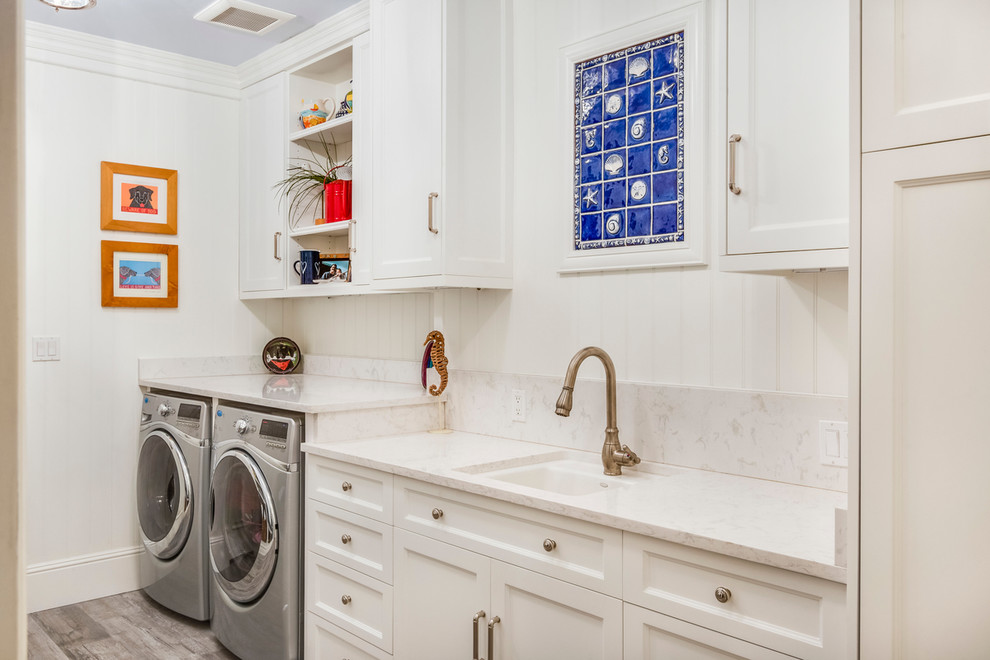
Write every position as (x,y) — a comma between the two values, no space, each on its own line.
(173,481)
(256,532)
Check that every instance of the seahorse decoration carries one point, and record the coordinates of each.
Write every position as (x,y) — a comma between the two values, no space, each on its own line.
(439,360)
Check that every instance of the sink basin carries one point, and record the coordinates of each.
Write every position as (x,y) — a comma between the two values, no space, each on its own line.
(564,473)
(566,477)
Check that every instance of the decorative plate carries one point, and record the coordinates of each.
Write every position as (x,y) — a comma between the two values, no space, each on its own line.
(281,355)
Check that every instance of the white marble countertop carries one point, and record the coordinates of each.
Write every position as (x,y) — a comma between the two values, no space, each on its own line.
(307,393)
(777,524)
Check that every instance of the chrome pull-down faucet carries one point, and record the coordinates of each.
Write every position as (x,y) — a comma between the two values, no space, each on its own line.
(614,454)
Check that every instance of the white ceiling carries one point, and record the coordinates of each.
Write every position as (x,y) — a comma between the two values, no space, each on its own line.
(169,25)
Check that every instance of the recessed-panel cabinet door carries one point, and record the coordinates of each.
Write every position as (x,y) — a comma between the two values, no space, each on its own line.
(438,590)
(924,71)
(925,320)
(788,128)
(407,64)
(541,617)
(262,165)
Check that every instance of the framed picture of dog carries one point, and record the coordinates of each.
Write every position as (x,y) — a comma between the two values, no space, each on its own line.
(139,274)
(137,198)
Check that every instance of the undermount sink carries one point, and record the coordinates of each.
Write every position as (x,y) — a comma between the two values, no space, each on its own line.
(564,473)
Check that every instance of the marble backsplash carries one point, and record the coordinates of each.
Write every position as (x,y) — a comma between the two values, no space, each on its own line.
(766,435)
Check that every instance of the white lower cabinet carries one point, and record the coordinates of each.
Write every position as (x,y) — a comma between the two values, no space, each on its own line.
(455,573)
(451,601)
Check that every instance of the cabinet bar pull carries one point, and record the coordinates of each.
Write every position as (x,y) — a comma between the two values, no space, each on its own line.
(491,636)
(733,188)
(477,617)
(277,258)
(350,237)
(430,216)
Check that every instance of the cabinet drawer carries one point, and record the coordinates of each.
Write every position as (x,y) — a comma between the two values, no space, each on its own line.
(652,636)
(351,487)
(796,614)
(359,604)
(581,553)
(328,642)
(355,541)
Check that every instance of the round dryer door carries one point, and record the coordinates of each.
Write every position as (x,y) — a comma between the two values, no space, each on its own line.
(164,495)
(243,534)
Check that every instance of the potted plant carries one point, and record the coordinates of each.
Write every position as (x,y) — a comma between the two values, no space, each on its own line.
(314,177)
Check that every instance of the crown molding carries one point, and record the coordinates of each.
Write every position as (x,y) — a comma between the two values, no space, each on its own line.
(339,28)
(77,50)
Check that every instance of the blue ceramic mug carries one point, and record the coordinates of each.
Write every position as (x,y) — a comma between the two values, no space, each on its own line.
(306,266)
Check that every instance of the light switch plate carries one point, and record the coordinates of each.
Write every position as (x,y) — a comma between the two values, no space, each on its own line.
(46,349)
(833,443)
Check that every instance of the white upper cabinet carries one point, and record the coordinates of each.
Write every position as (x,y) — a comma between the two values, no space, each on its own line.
(262,165)
(442,157)
(787,135)
(924,71)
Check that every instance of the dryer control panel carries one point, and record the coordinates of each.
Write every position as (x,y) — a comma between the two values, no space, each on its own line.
(186,414)
(276,433)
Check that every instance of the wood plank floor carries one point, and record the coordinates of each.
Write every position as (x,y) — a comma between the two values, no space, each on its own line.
(124,626)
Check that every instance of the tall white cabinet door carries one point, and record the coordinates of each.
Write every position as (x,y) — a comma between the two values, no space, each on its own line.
(362,203)
(788,100)
(653,636)
(438,590)
(407,52)
(924,71)
(542,617)
(263,143)
(925,356)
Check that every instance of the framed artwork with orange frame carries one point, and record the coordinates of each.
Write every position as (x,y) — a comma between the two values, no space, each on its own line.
(139,274)
(137,198)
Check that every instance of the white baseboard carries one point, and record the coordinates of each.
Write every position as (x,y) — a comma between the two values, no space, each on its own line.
(68,581)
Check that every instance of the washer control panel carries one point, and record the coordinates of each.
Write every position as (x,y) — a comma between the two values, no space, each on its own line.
(188,415)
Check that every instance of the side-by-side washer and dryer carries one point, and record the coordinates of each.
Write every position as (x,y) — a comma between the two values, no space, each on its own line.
(256,532)
(173,477)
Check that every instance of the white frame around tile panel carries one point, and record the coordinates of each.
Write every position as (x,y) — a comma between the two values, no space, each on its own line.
(693,250)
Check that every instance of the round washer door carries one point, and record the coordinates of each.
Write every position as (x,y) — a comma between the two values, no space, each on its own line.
(164,495)
(243,532)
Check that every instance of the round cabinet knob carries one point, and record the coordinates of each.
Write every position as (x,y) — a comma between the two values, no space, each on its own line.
(345,599)
(437,514)
(345,539)
(346,486)
(242,426)
(549,545)
(723,595)
(164,410)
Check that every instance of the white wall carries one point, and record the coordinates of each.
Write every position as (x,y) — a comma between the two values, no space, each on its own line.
(82,412)
(686,326)
(13,623)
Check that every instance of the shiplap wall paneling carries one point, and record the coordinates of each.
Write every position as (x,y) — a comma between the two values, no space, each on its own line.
(83,411)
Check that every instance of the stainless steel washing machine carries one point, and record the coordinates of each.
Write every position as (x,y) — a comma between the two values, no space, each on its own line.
(256,532)
(173,482)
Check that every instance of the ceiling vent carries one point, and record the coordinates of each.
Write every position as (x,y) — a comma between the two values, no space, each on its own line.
(243,16)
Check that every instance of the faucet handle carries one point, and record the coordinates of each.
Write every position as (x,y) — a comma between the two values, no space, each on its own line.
(631,456)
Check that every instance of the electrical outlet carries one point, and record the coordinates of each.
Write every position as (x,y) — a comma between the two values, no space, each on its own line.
(833,443)
(519,405)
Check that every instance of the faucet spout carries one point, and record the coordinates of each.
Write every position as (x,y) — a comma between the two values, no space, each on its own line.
(614,454)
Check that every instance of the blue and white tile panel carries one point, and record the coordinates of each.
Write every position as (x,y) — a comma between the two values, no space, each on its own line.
(629,146)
